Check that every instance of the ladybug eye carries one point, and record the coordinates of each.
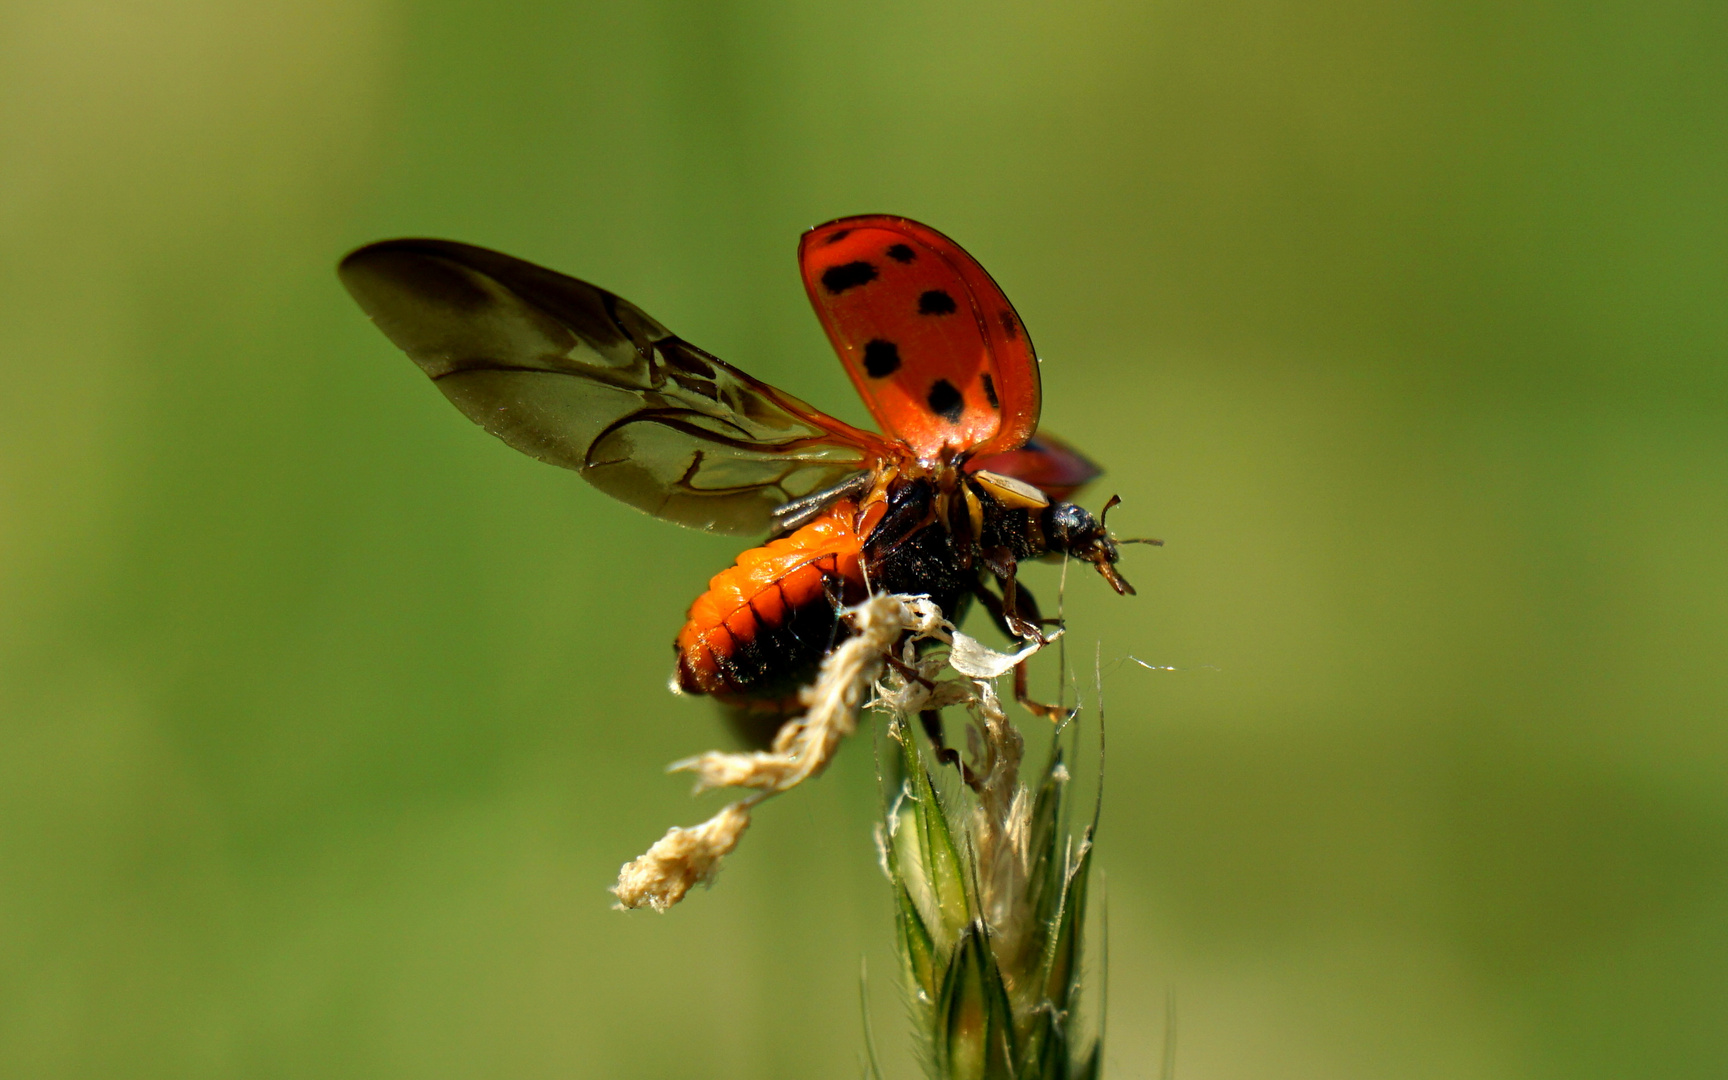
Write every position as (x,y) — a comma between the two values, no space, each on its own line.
(1069,525)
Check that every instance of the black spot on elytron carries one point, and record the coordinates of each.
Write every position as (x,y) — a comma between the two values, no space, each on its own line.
(900,253)
(881,358)
(935,302)
(835,238)
(837,279)
(990,391)
(1009,326)
(945,401)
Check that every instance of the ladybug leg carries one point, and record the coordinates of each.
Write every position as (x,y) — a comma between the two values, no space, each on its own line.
(836,603)
(1028,612)
(931,719)
(1023,628)
(1000,562)
(908,672)
(1028,616)
(993,605)
(1023,694)
(1029,609)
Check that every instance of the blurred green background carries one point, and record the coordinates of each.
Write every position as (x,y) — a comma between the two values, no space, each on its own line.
(327,719)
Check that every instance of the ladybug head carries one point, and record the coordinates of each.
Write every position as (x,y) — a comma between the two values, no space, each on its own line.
(1074,531)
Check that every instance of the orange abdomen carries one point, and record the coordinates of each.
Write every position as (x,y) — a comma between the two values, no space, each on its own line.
(769,618)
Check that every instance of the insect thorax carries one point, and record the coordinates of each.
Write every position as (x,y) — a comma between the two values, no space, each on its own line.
(937,532)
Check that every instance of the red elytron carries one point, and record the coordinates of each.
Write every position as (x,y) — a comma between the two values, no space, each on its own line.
(956,491)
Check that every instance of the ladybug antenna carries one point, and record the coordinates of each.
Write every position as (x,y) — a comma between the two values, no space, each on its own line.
(1115,500)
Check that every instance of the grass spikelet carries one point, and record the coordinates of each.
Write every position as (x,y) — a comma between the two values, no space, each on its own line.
(989,886)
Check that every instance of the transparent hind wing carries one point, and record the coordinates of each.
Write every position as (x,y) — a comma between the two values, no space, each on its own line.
(576,376)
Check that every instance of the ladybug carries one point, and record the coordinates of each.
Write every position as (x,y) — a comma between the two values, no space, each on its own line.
(957,489)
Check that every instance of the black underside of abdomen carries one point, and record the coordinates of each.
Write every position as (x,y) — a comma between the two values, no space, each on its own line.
(782,657)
